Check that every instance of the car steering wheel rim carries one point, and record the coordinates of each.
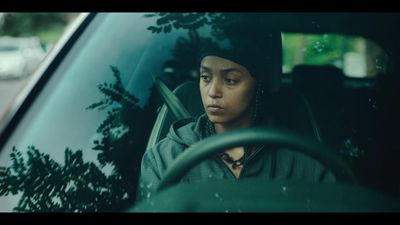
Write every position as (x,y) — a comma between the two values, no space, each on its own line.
(281,138)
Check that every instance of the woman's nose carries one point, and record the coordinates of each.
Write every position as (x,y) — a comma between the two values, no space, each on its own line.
(215,90)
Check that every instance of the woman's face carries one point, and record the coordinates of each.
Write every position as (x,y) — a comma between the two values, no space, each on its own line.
(227,90)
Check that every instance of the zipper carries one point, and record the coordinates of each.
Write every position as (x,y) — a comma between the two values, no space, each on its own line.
(221,162)
(251,156)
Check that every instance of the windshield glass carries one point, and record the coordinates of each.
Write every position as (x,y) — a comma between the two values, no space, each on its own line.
(80,145)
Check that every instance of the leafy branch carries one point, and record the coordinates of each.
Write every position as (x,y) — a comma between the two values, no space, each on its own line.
(78,186)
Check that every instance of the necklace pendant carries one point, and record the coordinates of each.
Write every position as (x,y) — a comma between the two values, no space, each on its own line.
(236,164)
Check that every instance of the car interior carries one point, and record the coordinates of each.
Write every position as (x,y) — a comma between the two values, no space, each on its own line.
(296,106)
(317,101)
(347,122)
(299,106)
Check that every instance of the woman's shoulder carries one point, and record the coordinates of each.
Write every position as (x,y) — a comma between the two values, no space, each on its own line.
(187,131)
(181,135)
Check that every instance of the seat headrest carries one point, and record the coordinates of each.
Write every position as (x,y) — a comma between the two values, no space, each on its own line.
(317,76)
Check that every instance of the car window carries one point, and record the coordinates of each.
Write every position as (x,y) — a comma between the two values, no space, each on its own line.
(356,56)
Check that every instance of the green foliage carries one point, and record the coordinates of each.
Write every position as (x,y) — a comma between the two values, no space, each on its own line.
(47,186)
(121,130)
(21,24)
(48,26)
(79,186)
(185,68)
(317,49)
(167,21)
(324,49)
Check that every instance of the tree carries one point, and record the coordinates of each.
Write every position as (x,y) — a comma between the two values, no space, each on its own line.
(79,186)
(47,26)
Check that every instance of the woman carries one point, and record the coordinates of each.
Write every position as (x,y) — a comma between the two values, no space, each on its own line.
(234,90)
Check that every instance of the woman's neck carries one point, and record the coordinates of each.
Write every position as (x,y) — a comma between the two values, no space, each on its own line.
(242,122)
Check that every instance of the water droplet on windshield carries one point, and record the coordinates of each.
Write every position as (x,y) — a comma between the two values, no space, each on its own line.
(372,103)
(284,190)
(350,149)
(218,196)
(319,46)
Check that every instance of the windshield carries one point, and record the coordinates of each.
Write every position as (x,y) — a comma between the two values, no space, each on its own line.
(80,145)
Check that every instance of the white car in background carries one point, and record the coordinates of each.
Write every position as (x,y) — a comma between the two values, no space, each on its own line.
(19,56)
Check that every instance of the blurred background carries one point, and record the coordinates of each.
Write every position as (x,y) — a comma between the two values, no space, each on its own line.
(25,40)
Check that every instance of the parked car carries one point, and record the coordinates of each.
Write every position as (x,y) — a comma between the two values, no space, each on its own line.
(115,82)
(19,56)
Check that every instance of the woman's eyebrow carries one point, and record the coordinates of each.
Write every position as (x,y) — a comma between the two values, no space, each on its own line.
(205,68)
(223,71)
(228,70)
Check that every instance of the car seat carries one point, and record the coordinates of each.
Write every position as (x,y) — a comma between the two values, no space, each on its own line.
(321,86)
(183,102)
(288,110)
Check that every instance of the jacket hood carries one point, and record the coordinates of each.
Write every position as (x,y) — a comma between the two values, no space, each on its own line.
(188,131)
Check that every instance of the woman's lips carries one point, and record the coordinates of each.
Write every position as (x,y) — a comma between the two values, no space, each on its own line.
(214,108)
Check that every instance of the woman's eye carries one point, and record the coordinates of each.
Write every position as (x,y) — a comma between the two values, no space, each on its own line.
(230,81)
(205,78)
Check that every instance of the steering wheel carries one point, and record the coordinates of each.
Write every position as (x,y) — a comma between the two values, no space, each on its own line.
(228,195)
(278,138)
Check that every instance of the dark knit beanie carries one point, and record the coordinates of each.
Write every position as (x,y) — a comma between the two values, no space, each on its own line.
(260,51)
